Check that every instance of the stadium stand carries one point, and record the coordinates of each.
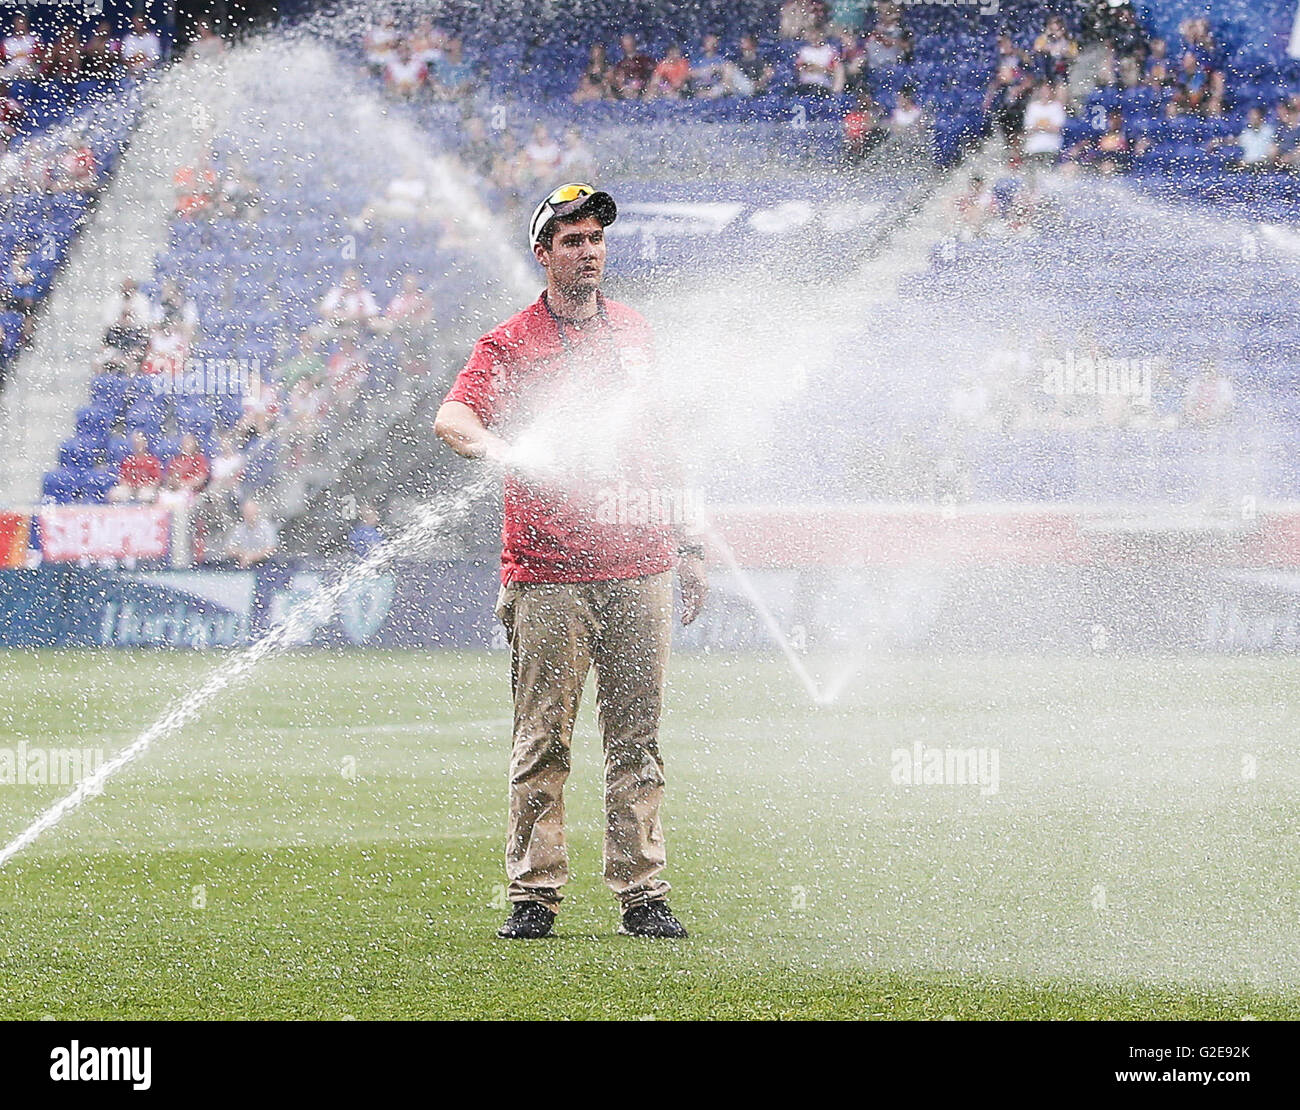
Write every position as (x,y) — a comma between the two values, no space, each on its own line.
(971,73)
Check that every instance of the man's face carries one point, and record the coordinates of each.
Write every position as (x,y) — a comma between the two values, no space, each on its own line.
(576,260)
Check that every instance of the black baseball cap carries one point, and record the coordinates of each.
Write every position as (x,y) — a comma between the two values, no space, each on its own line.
(569,200)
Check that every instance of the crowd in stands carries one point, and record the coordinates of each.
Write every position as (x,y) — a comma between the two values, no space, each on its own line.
(211,450)
(427,61)
(58,138)
(147,345)
(66,56)
(838,49)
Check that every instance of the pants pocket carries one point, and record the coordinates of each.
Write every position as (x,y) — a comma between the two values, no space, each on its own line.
(505,607)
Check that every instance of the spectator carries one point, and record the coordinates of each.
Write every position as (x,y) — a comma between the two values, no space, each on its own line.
(239,196)
(801,18)
(1125,34)
(1257,142)
(254,539)
(21,50)
(167,349)
(541,157)
(226,474)
(74,169)
(1044,127)
(864,129)
(190,467)
(307,363)
(427,43)
(1197,90)
(380,43)
(346,372)
(308,405)
(196,188)
(62,59)
(127,316)
(207,44)
(1198,40)
(853,57)
(973,209)
(409,317)
(365,535)
(21,280)
(349,306)
(906,116)
(12,113)
(632,72)
(477,151)
(1209,399)
(1055,51)
(669,77)
(888,44)
(577,162)
(750,74)
(817,67)
(1007,95)
(1110,152)
(404,74)
(593,84)
(453,76)
(173,494)
(175,307)
(138,475)
(708,70)
(141,48)
(260,406)
(1156,69)
(101,57)
(1287,138)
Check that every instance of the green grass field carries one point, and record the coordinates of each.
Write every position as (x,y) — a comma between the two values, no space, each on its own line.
(325,841)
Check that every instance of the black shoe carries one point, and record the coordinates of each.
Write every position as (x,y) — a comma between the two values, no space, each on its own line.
(527,921)
(651,919)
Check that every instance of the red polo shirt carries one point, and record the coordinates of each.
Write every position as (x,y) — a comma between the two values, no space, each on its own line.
(530,366)
(140,470)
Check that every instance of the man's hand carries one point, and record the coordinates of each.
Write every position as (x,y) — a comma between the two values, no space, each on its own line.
(695,586)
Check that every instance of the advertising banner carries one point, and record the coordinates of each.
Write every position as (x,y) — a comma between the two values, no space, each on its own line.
(73,533)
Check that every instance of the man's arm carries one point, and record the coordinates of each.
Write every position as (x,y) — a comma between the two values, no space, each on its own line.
(459,427)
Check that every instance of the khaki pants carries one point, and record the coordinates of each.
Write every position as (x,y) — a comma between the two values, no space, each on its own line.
(557,632)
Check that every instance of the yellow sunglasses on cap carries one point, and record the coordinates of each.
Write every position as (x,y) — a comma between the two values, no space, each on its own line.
(569,198)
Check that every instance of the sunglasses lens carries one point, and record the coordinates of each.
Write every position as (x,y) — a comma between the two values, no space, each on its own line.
(568,193)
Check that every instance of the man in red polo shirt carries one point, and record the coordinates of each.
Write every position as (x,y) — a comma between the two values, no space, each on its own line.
(190,467)
(139,473)
(561,396)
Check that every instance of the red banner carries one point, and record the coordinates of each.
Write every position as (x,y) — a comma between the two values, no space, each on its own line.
(72,532)
(14,529)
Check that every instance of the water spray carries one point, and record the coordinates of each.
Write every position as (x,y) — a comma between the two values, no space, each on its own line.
(428,523)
